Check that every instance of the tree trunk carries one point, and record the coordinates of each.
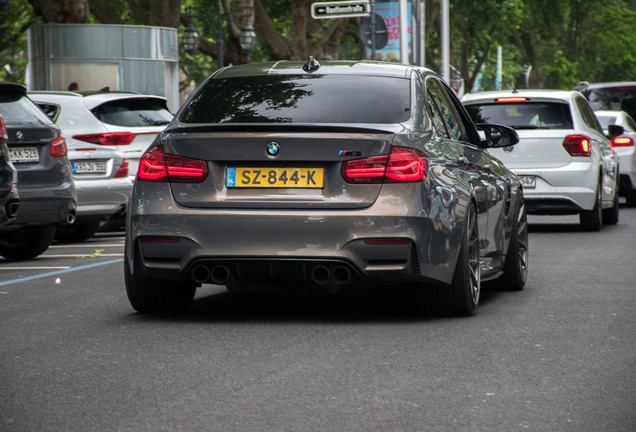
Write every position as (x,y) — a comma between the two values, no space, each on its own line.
(62,11)
(165,13)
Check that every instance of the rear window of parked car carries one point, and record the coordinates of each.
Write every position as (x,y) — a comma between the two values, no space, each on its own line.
(621,98)
(605,121)
(134,112)
(526,115)
(301,99)
(16,109)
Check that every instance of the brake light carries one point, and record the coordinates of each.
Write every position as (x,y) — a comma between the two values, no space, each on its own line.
(401,166)
(511,99)
(405,165)
(370,170)
(123,169)
(58,147)
(157,166)
(578,145)
(622,142)
(107,139)
(4,137)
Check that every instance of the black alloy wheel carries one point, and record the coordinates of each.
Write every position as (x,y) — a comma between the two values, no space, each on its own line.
(515,270)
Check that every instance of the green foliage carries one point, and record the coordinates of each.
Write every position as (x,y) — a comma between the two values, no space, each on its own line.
(14,44)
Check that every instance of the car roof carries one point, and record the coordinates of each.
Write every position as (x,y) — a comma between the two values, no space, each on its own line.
(90,100)
(585,85)
(285,67)
(538,95)
(608,113)
(13,88)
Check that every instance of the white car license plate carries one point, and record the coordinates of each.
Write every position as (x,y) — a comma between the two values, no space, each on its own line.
(89,167)
(528,182)
(24,154)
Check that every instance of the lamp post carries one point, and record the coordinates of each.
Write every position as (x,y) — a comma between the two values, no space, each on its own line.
(191,40)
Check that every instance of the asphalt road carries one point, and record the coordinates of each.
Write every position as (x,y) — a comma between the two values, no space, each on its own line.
(558,356)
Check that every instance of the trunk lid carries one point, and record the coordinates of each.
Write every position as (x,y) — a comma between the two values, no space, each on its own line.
(541,148)
(300,149)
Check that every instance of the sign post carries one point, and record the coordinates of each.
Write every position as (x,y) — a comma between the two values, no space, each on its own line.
(340,9)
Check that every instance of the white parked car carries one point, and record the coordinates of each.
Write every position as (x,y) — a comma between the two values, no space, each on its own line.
(125,121)
(624,147)
(565,162)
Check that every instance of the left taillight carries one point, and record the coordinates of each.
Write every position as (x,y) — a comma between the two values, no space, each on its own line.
(58,147)
(403,165)
(123,169)
(3,131)
(157,166)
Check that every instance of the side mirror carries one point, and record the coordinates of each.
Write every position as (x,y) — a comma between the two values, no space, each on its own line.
(498,135)
(614,131)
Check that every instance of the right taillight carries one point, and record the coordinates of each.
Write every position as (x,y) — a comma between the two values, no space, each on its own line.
(578,145)
(622,142)
(154,165)
(123,169)
(403,165)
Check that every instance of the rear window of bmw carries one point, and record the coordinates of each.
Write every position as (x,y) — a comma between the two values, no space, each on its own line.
(19,110)
(524,115)
(136,112)
(620,98)
(301,99)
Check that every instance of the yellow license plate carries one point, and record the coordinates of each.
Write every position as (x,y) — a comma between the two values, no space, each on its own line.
(275,177)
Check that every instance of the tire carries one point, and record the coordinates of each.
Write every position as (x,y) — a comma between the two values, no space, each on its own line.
(610,215)
(462,296)
(26,244)
(592,220)
(158,296)
(515,269)
(76,233)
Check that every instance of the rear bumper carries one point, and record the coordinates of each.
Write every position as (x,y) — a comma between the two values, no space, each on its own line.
(45,206)
(563,190)
(102,198)
(286,246)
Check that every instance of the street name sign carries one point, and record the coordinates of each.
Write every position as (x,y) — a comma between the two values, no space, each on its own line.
(340,9)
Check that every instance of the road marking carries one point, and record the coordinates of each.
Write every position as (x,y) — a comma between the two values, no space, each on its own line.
(80,255)
(89,246)
(32,268)
(59,272)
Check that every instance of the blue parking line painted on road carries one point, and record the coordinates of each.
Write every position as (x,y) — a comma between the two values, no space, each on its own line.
(59,272)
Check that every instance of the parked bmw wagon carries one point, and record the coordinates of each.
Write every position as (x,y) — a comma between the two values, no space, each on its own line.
(300,175)
(565,162)
(9,199)
(38,151)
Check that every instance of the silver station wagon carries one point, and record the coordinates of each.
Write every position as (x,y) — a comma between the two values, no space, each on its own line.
(300,175)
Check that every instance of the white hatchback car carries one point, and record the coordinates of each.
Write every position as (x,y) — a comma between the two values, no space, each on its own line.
(625,148)
(565,162)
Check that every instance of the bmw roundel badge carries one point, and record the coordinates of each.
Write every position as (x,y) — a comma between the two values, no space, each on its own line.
(19,135)
(273,148)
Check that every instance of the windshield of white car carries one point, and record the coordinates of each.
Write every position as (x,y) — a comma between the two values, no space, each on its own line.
(524,115)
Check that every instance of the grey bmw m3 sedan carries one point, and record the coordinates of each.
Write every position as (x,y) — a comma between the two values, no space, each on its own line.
(299,175)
